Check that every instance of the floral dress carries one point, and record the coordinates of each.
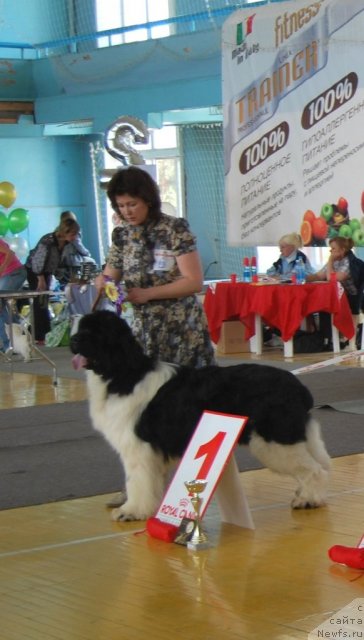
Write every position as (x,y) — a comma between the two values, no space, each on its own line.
(174,330)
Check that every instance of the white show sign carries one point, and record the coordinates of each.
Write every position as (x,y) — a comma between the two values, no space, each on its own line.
(207,457)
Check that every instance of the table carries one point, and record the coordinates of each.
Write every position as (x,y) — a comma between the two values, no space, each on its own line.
(7,296)
(283,306)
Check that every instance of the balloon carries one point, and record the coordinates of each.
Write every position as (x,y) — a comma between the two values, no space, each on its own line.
(120,137)
(7,194)
(4,224)
(18,220)
(19,246)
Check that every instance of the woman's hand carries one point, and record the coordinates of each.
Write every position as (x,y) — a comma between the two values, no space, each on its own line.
(99,282)
(110,272)
(139,296)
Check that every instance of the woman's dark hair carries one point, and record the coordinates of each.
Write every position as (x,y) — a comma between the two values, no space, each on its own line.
(137,183)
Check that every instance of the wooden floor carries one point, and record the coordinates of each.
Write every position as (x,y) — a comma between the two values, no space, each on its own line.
(68,573)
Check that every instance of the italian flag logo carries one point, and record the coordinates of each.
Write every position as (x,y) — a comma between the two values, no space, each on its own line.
(243,29)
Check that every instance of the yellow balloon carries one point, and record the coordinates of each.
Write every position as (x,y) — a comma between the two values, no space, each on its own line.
(7,194)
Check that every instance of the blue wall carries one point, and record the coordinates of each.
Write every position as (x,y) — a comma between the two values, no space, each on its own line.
(205,208)
(135,79)
(33,21)
(50,175)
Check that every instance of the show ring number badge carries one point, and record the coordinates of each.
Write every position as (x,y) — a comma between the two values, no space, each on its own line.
(205,458)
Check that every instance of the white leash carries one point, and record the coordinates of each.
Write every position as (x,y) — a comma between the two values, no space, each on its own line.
(327,363)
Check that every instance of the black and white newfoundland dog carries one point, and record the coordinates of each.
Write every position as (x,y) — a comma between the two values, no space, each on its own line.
(148,410)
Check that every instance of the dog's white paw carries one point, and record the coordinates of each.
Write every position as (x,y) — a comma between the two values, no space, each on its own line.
(302,502)
(127,513)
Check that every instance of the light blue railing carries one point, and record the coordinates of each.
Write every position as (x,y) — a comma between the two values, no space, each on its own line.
(189,23)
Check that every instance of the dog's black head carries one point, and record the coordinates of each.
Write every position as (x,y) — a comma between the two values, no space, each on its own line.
(105,344)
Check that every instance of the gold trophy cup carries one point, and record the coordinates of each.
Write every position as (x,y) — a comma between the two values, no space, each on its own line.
(198,539)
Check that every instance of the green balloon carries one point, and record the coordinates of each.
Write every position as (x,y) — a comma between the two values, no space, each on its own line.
(18,220)
(4,224)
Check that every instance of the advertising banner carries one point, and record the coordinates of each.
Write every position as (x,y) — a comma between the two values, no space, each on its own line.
(293,94)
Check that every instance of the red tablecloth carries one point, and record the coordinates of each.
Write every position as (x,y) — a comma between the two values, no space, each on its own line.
(282,306)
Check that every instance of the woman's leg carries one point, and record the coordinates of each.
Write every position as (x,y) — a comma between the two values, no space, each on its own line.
(42,324)
(9,283)
(355,303)
(325,326)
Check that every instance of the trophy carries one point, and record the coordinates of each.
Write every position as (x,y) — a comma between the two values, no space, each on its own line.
(190,532)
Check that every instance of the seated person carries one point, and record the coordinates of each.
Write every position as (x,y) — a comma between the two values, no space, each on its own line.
(339,263)
(284,267)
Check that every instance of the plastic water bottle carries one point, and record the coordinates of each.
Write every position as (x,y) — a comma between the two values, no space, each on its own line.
(253,269)
(246,270)
(300,271)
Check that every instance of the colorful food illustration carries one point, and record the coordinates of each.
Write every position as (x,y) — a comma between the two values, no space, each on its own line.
(345,231)
(306,233)
(320,228)
(327,211)
(358,237)
(342,205)
(309,216)
(333,220)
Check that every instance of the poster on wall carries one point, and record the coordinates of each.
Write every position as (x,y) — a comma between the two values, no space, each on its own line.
(293,95)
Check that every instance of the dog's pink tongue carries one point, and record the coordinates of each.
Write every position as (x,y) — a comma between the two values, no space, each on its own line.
(78,362)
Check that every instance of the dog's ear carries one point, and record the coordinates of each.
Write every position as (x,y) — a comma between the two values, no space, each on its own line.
(121,338)
(111,325)
(116,354)
(112,338)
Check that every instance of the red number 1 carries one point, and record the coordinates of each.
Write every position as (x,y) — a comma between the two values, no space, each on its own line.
(210,450)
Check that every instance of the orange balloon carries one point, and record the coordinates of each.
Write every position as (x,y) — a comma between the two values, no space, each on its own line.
(7,194)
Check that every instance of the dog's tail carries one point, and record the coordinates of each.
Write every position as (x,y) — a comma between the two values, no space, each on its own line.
(316,445)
